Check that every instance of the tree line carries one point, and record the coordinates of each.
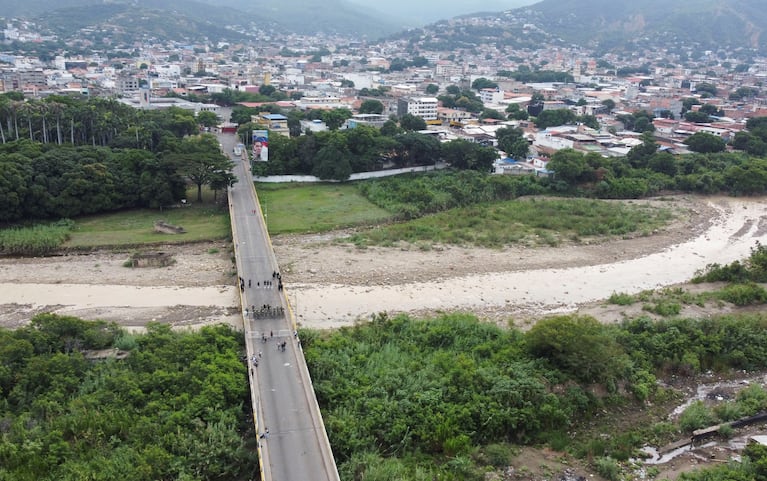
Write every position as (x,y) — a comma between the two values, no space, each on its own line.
(645,170)
(99,155)
(336,154)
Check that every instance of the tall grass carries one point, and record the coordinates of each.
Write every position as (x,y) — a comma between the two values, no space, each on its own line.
(38,239)
(531,222)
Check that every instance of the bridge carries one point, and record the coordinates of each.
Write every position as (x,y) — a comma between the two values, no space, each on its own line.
(293,443)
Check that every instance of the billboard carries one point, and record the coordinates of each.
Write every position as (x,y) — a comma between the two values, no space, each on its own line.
(261,145)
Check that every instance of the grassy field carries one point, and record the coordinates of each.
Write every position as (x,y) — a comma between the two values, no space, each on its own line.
(530,222)
(201,221)
(294,208)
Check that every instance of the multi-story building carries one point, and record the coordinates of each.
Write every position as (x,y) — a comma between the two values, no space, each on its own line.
(424,107)
(276,123)
(306,103)
(127,83)
(491,96)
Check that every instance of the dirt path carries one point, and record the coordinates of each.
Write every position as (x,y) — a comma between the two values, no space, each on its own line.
(331,284)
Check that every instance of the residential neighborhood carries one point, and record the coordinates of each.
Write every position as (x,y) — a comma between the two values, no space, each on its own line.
(610,99)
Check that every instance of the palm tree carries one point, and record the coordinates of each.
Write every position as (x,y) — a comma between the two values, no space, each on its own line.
(4,111)
(16,106)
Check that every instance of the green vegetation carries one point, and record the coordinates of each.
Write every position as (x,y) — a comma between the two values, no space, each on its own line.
(529,222)
(39,239)
(291,208)
(422,397)
(64,158)
(336,154)
(474,219)
(202,222)
(753,269)
(174,408)
(749,401)
(415,195)
(646,171)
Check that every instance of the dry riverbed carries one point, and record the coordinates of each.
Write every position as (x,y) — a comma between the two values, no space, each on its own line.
(331,284)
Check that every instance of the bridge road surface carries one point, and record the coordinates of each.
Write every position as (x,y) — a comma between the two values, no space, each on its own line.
(297,446)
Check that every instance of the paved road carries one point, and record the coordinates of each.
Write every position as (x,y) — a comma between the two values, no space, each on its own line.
(296,447)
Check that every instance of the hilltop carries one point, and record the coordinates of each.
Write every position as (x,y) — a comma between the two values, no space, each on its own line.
(609,26)
(212,19)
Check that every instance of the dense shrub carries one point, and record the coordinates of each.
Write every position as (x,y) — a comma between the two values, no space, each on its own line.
(696,416)
(172,409)
(753,269)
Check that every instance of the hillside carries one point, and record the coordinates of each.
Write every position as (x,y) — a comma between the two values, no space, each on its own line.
(704,23)
(122,23)
(607,25)
(195,19)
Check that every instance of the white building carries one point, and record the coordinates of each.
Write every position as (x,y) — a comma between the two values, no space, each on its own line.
(307,103)
(424,107)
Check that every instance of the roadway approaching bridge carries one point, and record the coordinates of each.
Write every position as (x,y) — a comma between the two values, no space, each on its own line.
(293,443)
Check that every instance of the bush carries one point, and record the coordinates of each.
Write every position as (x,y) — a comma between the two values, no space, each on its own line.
(753,269)
(728,411)
(36,240)
(744,294)
(498,455)
(696,416)
(621,299)
(726,431)
(608,468)
(666,308)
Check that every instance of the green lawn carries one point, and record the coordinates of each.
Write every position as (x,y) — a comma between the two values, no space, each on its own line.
(293,208)
(201,221)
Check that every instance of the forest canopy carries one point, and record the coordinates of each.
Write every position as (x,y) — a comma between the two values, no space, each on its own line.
(176,406)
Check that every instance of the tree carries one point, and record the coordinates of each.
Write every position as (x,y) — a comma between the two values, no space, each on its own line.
(705,143)
(462,154)
(332,164)
(589,121)
(483,83)
(432,89)
(705,87)
(390,128)
(569,166)
(491,114)
(640,154)
(335,118)
(397,65)
(609,104)
(371,106)
(553,118)
(207,118)
(416,149)
(512,141)
(203,163)
(267,90)
(664,163)
(699,117)
(411,122)
(710,109)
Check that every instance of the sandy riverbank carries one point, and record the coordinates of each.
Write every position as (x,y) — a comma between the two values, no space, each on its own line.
(331,285)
